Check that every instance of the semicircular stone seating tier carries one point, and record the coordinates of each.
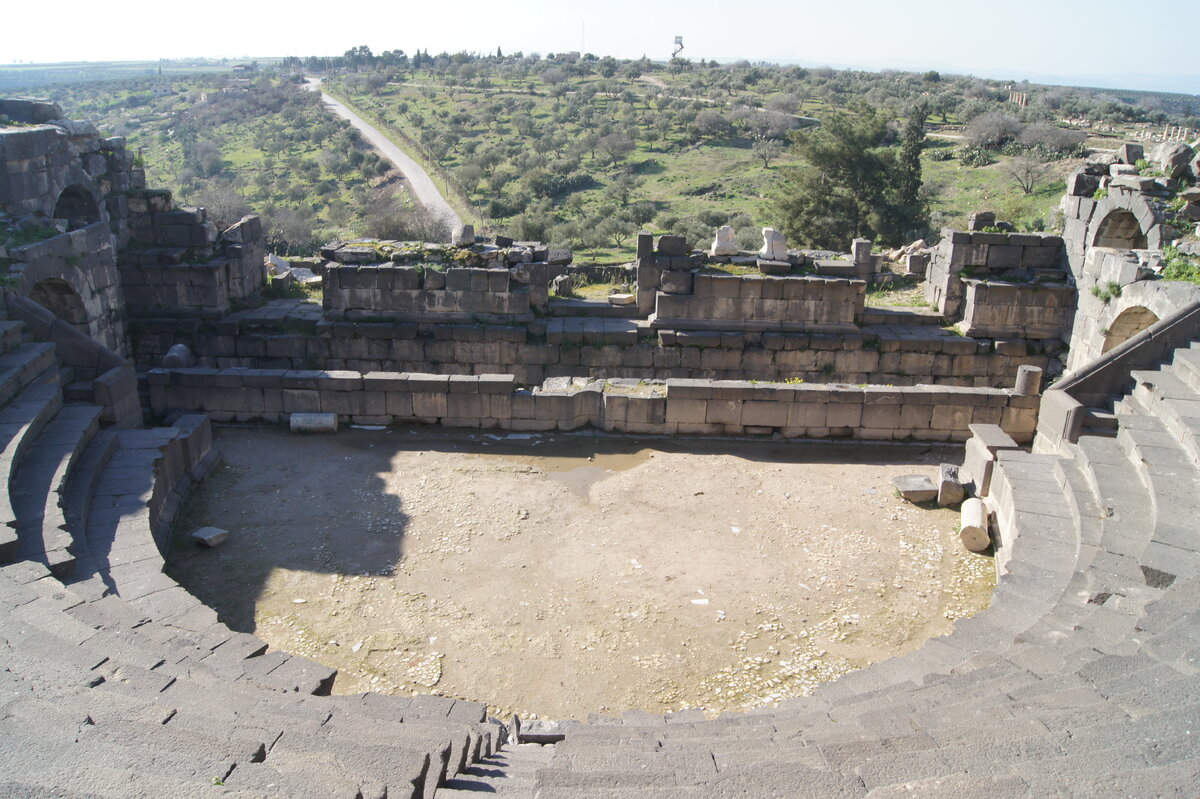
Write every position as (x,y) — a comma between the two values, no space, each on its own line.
(1080,680)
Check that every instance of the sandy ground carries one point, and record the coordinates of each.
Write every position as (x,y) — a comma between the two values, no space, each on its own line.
(562,575)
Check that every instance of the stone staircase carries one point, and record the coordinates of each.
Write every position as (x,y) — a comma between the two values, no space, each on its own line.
(116,682)
(509,772)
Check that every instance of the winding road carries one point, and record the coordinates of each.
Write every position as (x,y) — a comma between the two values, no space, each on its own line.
(423,189)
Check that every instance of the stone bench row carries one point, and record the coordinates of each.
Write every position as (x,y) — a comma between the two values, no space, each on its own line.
(680,310)
(926,413)
(815,358)
(413,278)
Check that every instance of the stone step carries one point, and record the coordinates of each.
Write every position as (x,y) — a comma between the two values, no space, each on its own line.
(953,786)
(21,366)
(1175,403)
(77,499)
(79,391)
(598,331)
(1099,422)
(98,781)
(11,335)
(306,776)
(590,309)
(20,422)
(1186,363)
(511,771)
(1124,503)
(37,487)
(1173,481)
(84,639)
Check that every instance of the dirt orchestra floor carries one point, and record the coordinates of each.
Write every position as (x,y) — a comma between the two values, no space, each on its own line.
(561,575)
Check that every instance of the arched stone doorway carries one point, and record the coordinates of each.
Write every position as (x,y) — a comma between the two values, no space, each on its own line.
(1128,324)
(77,205)
(1120,230)
(60,299)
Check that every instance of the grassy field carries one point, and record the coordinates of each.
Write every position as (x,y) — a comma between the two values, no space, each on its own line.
(956,191)
(526,158)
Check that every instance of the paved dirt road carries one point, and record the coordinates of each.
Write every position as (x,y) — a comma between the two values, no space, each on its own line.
(561,575)
(419,182)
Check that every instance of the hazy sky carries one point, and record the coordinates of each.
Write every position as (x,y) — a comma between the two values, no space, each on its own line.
(1097,42)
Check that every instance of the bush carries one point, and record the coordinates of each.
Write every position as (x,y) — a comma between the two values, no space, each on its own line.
(1180,267)
(1051,140)
(972,155)
(941,154)
(992,129)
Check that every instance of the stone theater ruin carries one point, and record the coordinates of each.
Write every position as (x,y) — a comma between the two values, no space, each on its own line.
(130,324)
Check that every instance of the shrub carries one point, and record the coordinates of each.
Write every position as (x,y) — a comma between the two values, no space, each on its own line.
(1180,267)
(992,129)
(972,155)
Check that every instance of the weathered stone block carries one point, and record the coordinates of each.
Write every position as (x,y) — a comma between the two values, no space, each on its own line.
(761,413)
(301,401)
(429,405)
(728,412)
(844,414)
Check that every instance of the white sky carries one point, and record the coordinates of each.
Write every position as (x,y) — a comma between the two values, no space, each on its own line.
(1123,44)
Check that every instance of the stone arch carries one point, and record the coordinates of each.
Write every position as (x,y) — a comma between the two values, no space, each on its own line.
(1100,326)
(78,206)
(57,296)
(1127,324)
(1127,220)
(1119,229)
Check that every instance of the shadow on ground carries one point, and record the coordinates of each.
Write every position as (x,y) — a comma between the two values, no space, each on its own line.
(318,504)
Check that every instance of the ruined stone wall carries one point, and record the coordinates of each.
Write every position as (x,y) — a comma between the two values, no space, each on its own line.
(1016,310)
(1116,302)
(1117,222)
(120,249)
(682,293)
(691,407)
(758,302)
(74,275)
(991,256)
(73,180)
(1107,207)
(177,263)
(425,293)
(40,162)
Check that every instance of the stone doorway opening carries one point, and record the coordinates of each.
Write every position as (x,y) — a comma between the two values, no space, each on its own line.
(57,296)
(1128,324)
(1120,230)
(77,205)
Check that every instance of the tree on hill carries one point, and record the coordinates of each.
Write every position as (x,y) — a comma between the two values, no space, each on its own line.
(907,216)
(849,184)
(1026,172)
(767,149)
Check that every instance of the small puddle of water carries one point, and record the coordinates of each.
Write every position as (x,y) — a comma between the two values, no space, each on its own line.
(576,465)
